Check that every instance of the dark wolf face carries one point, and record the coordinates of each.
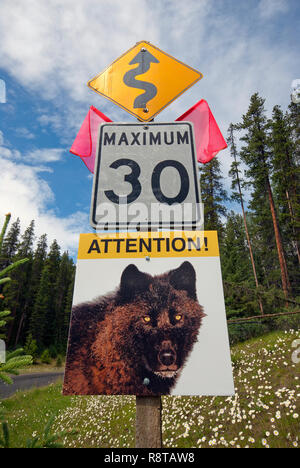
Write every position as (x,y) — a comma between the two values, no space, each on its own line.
(161,318)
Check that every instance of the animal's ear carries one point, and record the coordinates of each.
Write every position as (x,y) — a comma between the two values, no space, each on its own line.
(133,281)
(184,278)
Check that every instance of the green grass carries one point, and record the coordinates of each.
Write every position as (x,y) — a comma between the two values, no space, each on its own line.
(263,412)
(40,367)
(28,412)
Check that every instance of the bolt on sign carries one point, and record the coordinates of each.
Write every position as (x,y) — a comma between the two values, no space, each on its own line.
(144,80)
(163,328)
(146,175)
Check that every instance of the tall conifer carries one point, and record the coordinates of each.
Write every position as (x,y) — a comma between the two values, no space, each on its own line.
(256,154)
(237,195)
(16,292)
(52,263)
(236,269)
(41,308)
(10,244)
(64,278)
(35,277)
(286,177)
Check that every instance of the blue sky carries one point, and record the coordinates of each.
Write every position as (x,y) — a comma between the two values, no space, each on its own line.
(50,49)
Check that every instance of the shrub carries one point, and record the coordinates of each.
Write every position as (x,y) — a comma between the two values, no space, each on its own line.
(31,348)
(240,332)
(245,331)
(45,357)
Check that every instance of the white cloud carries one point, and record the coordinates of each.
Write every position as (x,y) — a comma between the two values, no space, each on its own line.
(36,156)
(44,155)
(26,195)
(53,46)
(56,48)
(269,8)
(8,153)
(23,132)
(55,121)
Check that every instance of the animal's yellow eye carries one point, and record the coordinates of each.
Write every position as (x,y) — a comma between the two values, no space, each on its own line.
(147,319)
(178,317)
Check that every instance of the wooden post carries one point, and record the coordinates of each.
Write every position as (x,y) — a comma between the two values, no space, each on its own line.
(148,422)
(148,427)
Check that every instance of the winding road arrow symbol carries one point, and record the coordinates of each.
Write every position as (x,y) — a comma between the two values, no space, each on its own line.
(144,59)
(144,80)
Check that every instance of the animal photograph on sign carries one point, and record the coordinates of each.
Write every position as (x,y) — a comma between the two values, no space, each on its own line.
(148,325)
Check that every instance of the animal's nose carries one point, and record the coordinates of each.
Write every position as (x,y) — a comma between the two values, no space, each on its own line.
(167,358)
(167,354)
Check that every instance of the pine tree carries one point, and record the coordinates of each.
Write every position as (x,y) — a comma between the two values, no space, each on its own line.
(64,278)
(286,178)
(31,347)
(42,321)
(14,360)
(41,295)
(53,262)
(213,196)
(294,122)
(237,195)
(16,292)
(42,305)
(38,261)
(10,244)
(256,154)
(236,269)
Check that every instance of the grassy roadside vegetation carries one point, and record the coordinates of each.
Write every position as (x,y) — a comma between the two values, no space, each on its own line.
(263,413)
(40,367)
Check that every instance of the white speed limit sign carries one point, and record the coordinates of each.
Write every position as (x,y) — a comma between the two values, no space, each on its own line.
(145,176)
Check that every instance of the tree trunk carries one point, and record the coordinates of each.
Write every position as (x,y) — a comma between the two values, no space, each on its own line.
(251,255)
(245,222)
(295,242)
(283,268)
(20,326)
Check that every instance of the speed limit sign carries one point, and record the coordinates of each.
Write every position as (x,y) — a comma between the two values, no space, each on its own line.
(145,176)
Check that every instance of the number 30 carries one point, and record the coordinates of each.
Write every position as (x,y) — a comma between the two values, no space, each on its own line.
(133,179)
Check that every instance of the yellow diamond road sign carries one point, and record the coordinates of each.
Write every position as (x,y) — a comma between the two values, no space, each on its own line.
(144,80)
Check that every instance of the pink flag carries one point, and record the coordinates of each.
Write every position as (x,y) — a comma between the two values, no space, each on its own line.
(208,137)
(85,143)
